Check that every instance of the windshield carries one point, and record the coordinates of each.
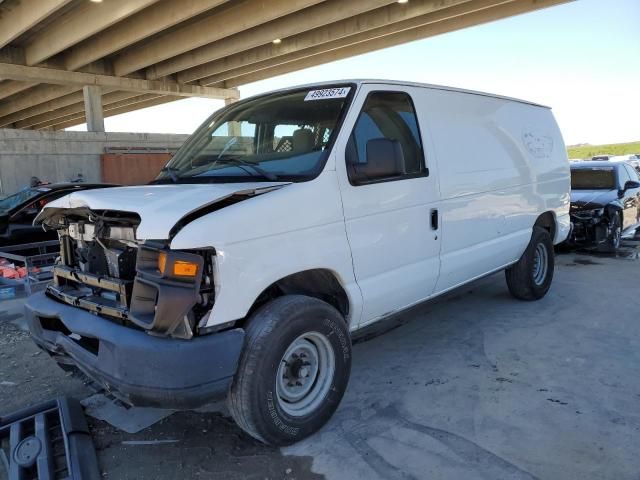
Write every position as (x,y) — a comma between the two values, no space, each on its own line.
(9,203)
(595,178)
(277,137)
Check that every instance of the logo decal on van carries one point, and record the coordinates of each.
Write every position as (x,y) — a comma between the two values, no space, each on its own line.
(538,145)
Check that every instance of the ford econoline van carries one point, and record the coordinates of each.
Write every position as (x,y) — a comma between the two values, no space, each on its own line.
(287,222)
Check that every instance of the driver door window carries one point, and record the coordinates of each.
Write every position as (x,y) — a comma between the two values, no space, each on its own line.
(385,143)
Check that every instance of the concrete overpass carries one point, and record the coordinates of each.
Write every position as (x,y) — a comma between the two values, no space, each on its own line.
(64,62)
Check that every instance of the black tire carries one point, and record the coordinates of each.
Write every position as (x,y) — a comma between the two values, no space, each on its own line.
(612,244)
(525,282)
(254,400)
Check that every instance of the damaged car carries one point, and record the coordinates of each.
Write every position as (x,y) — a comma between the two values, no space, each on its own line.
(288,222)
(605,203)
(18,211)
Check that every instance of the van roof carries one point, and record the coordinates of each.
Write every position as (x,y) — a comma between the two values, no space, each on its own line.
(363,81)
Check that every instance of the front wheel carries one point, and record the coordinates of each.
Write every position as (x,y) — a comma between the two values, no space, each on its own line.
(293,371)
(530,278)
(615,237)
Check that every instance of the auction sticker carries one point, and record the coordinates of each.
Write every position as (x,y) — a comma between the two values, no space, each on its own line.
(327,93)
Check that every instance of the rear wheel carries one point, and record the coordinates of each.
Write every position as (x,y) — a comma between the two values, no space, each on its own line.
(530,278)
(293,371)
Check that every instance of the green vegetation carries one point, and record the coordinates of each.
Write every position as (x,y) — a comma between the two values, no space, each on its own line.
(588,151)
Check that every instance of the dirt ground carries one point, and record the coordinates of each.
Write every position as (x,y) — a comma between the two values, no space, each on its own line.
(475,385)
(184,445)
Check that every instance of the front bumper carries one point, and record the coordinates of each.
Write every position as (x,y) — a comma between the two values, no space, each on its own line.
(139,368)
(588,230)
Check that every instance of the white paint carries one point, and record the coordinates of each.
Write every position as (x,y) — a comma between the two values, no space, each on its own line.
(159,206)
(495,165)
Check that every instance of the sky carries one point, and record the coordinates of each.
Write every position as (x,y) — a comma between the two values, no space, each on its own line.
(580,58)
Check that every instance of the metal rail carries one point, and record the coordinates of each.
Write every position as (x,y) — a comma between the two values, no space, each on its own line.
(43,260)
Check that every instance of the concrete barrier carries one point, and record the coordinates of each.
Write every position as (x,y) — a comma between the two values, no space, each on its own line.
(62,156)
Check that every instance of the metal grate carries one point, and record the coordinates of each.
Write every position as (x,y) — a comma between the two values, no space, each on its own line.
(50,441)
(285,145)
(325,137)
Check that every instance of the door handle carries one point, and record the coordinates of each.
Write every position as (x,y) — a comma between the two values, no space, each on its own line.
(434,219)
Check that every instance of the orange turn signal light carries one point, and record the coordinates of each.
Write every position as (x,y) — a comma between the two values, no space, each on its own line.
(162,262)
(181,268)
(185,269)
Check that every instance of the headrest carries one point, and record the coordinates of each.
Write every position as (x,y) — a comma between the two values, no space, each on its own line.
(302,140)
(385,158)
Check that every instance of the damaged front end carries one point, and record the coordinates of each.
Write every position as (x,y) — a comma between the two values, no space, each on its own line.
(126,313)
(105,270)
(589,226)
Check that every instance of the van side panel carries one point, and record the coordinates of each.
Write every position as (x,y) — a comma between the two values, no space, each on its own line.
(501,164)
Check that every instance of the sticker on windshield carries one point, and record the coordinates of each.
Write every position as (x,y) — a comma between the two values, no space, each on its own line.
(327,93)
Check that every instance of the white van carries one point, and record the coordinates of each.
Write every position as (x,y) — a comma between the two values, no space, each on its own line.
(287,222)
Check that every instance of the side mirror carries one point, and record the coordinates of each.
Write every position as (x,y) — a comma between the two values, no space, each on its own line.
(384,159)
(631,184)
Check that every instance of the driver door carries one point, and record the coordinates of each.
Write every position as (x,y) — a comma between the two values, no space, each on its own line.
(392,221)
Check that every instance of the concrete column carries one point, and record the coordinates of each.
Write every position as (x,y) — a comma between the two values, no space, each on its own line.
(93,108)
(234,127)
(229,101)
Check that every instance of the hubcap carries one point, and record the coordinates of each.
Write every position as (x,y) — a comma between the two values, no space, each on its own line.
(540,264)
(617,237)
(305,374)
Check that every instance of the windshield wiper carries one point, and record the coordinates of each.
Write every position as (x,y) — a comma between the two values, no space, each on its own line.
(243,163)
(172,173)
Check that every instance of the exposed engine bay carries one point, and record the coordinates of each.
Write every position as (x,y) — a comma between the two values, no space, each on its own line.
(105,270)
(592,226)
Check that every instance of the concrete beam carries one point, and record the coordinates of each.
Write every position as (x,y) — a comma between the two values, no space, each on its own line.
(378,22)
(36,96)
(117,111)
(78,114)
(43,93)
(11,54)
(476,18)
(93,108)
(161,16)
(73,109)
(64,77)
(313,17)
(9,88)
(18,17)
(49,106)
(87,19)
(236,18)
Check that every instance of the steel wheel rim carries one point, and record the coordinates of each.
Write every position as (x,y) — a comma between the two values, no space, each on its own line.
(305,374)
(617,236)
(540,264)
